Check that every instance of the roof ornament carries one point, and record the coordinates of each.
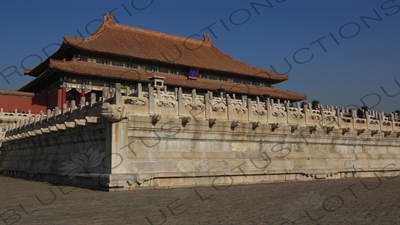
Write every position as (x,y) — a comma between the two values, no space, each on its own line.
(207,38)
(108,17)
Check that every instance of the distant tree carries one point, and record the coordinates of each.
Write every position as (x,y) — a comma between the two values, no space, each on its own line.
(365,108)
(315,104)
(265,97)
(220,91)
(360,113)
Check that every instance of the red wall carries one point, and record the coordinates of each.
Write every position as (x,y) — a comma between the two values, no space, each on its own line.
(23,104)
(54,99)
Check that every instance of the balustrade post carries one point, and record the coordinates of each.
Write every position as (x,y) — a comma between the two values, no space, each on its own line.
(208,104)
(306,113)
(229,107)
(287,109)
(139,90)
(181,104)
(194,96)
(118,95)
(250,109)
(152,102)
(92,99)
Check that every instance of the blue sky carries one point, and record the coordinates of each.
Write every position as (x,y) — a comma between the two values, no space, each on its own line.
(342,57)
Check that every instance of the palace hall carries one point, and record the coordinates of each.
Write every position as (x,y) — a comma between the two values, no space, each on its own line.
(117,53)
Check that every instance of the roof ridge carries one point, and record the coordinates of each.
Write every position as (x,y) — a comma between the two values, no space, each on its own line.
(91,37)
(108,22)
(107,19)
(174,36)
(270,74)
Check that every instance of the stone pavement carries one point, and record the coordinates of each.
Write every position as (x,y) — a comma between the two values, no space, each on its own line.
(347,201)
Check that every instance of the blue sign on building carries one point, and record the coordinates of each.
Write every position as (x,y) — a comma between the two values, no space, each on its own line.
(193,73)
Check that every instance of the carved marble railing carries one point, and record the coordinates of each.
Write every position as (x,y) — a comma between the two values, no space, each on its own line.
(115,107)
(9,118)
(65,118)
(14,115)
(226,107)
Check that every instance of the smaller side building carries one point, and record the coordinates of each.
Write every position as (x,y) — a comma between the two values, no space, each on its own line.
(22,102)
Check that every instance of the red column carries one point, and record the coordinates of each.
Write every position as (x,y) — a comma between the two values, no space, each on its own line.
(64,95)
(59,98)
